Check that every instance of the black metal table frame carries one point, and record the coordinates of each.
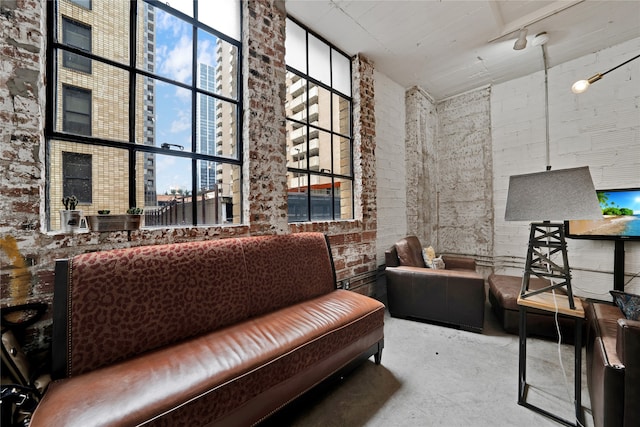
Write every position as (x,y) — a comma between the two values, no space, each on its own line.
(522,380)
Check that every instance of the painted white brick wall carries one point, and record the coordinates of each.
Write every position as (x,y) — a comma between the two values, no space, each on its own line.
(390,166)
(599,128)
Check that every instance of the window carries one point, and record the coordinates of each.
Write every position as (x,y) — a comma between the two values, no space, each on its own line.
(319,134)
(76,172)
(76,110)
(145,117)
(83,3)
(76,35)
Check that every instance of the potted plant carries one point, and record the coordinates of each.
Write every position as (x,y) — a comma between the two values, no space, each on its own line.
(119,222)
(70,216)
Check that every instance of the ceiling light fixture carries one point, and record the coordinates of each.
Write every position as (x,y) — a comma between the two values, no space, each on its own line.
(582,85)
(540,39)
(521,42)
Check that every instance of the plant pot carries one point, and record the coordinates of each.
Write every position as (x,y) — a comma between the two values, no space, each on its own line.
(70,220)
(123,222)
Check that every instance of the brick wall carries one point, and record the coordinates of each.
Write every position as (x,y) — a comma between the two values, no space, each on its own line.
(28,252)
(465,175)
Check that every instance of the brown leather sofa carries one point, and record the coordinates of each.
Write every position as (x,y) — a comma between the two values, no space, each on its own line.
(221,332)
(613,366)
(454,295)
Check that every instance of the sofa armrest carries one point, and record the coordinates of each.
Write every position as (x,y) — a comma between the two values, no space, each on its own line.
(453,262)
(391,257)
(628,349)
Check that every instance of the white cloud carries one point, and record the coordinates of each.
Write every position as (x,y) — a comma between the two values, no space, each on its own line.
(176,64)
(182,123)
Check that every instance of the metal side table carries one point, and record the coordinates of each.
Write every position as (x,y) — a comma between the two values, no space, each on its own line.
(545,301)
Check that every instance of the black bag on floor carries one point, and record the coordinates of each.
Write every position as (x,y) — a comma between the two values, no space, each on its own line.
(22,386)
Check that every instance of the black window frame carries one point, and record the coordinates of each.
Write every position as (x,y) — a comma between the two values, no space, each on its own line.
(56,46)
(295,213)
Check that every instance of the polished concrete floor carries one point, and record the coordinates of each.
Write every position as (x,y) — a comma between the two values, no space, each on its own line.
(432,375)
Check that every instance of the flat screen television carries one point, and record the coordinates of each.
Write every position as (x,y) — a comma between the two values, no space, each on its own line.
(620,217)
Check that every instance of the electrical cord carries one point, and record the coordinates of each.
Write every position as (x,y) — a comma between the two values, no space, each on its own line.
(559,344)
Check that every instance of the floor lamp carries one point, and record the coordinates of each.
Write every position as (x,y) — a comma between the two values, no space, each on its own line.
(543,197)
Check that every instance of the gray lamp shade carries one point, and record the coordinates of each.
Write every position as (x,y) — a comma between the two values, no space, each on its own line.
(558,195)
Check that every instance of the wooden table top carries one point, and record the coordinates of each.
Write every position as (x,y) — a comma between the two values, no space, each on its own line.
(545,301)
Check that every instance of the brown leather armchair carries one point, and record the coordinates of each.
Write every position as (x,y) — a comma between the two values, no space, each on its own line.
(454,295)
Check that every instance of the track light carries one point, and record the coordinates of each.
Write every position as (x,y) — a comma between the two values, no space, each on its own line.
(582,85)
(521,42)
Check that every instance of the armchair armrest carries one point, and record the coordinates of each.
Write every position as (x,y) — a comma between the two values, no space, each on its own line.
(453,262)
(628,349)
(391,257)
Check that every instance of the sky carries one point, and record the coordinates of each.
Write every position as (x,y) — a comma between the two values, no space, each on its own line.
(625,199)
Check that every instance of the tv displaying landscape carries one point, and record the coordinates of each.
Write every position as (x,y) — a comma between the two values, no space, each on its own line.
(620,217)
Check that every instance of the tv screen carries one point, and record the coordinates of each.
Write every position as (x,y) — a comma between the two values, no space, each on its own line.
(620,217)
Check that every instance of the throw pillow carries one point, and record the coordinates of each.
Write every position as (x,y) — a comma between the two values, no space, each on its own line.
(628,303)
(438,264)
(428,254)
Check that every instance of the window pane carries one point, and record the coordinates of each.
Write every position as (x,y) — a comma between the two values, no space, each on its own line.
(146,180)
(99,102)
(173,47)
(320,152)
(217,65)
(341,72)
(296,47)
(321,198)
(217,196)
(105,19)
(174,175)
(341,115)
(223,15)
(319,60)
(169,120)
(342,155)
(296,102)
(109,178)
(216,127)
(320,100)
(297,197)
(343,196)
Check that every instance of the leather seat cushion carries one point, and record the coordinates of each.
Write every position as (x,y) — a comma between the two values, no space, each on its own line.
(506,289)
(233,364)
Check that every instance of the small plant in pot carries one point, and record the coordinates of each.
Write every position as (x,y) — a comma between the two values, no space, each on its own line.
(70,216)
(118,222)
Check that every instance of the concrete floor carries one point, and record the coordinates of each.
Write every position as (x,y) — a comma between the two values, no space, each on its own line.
(433,375)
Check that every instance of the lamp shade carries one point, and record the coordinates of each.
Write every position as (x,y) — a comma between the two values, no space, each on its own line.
(558,195)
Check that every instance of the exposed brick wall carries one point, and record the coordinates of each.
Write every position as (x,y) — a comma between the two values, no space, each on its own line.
(28,252)
(264,133)
(465,175)
(421,166)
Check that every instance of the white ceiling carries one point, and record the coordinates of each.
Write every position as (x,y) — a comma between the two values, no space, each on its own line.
(451,46)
